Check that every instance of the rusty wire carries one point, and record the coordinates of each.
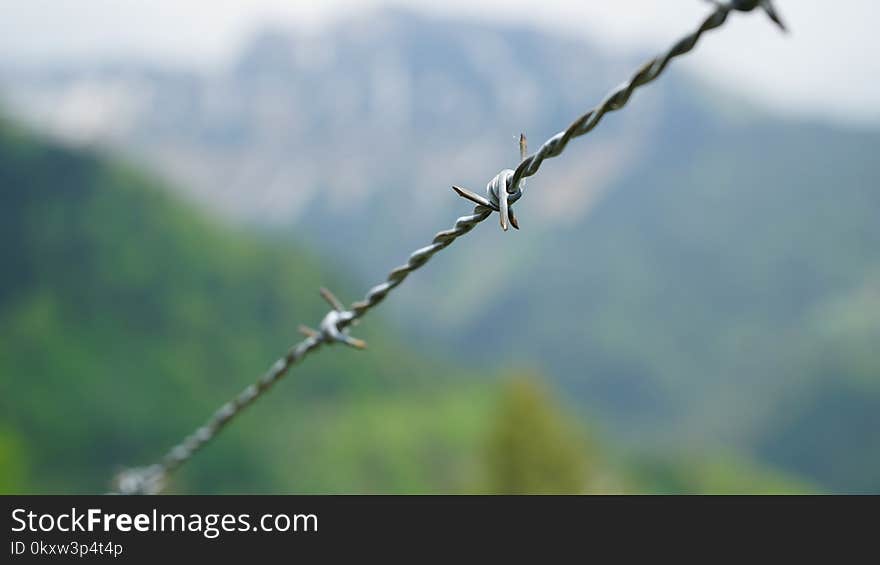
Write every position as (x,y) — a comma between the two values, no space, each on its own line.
(334,327)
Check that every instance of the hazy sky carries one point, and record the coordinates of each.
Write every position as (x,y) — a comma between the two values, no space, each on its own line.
(828,65)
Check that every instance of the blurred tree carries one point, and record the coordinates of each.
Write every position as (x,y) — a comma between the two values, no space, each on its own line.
(534,446)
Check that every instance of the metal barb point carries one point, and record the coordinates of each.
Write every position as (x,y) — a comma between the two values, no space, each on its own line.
(768,7)
(308,332)
(486,203)
(353,342)
(331,299)
(749,5)
(473,197)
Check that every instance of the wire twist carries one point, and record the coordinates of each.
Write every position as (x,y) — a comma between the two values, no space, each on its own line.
(501,192)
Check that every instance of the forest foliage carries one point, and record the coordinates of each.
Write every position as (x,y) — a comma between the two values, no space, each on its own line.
(126,317)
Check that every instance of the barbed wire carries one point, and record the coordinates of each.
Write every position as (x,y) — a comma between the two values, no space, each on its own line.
(335,325)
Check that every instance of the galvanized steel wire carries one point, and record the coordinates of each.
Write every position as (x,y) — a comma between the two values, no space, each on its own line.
(335,326)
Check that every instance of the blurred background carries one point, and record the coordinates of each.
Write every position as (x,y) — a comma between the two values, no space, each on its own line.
(692,305)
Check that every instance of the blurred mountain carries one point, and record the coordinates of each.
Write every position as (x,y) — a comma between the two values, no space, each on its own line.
(389,108)
(697,274)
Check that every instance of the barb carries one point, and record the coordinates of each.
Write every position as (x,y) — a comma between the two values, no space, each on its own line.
(502,192)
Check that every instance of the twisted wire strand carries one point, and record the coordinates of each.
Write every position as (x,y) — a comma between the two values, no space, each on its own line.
(418,258)
(334,327)
(152,479)
(618,97)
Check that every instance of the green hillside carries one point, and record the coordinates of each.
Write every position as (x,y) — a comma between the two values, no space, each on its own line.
(727,294)
(126,318)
